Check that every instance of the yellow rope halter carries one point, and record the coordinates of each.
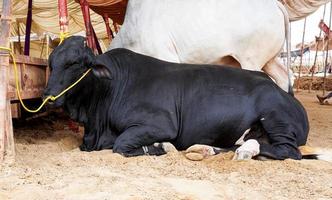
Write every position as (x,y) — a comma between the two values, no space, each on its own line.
(52,98)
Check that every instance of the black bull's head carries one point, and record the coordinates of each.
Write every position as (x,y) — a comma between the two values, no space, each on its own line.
(67,63)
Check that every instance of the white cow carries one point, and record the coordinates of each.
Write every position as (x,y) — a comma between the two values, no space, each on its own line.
(243,33)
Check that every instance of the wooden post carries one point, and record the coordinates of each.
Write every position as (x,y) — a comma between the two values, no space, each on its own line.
(19,38)
(108,28)
(7,149)
(116,27)
(87,21)
(43,44)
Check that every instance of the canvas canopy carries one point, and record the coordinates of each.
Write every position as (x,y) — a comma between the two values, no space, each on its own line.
(45,20)
(298,9)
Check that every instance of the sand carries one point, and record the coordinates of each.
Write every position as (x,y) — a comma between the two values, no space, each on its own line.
(49,165)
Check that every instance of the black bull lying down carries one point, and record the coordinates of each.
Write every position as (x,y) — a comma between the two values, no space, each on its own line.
(132,101)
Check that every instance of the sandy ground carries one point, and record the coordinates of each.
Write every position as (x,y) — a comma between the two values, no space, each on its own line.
(50,166)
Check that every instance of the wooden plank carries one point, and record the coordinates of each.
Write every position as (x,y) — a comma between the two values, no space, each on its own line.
(6,130)
(32,79)
(30,94)
(29,60)
(15,109)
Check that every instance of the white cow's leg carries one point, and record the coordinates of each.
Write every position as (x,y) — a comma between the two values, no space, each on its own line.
(200,151)
(167,146)
(247,150)
(279,73)
(241,141)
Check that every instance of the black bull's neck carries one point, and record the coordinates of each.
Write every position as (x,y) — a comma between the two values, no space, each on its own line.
(93,97)
(83,100)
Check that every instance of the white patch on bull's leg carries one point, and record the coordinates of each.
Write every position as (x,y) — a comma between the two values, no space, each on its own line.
(167,146)
(249,149)
(240,141)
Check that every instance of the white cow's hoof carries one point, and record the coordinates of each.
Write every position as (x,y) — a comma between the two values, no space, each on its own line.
(248,150)
(167,146)
(199,152)
(194,156)
(206,150)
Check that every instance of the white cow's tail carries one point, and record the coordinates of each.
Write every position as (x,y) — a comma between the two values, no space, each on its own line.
(287,35)
(316,153)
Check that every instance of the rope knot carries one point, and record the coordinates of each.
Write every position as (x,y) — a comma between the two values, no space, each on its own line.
(52,98)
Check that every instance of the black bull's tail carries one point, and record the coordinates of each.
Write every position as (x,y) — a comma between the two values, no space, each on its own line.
(316,153)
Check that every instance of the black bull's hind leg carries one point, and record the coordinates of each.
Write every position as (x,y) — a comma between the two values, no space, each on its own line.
(284,121)
(283,137)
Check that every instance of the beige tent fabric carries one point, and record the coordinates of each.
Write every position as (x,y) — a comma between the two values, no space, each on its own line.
(45,18)
(298,9)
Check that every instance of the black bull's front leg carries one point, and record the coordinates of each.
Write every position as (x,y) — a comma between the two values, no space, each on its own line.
(96,140)
(140,139)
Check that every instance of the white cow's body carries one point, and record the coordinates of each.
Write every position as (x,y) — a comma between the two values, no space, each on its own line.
(246,32)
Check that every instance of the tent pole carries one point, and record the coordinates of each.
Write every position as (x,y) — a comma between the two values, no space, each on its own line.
(301,58)
(28,29)
(97,45)
(313,69)
(7,150)
(87,21)
(63,16)
(327,50)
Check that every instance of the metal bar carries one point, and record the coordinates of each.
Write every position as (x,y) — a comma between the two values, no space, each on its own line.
(327,50)
(301,58)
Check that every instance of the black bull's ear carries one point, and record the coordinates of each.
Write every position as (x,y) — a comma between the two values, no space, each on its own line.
(101,71)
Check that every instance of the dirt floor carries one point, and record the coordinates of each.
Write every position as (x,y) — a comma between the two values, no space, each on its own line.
(50,166)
